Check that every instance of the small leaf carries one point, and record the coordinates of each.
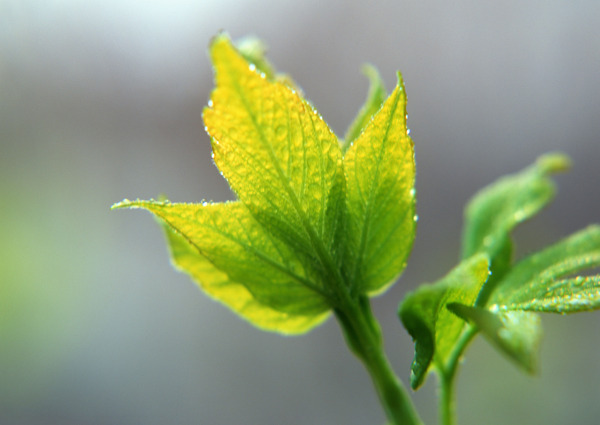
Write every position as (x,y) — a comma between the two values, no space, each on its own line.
(541,281)
(492,214)
(380,176)
(433,328)
(516,333)
(229,254)
(375,99)
(254,51)
(277,154)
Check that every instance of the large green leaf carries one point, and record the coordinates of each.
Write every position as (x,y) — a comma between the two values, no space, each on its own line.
(434,329)
(380,175)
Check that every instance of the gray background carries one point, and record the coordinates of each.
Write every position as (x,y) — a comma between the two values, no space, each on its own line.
(102,100)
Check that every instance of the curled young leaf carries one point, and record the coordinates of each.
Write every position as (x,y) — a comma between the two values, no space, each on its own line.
(375,99)
(434,329)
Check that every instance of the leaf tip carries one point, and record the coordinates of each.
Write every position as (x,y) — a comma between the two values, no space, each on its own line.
(554,162)
(125,203)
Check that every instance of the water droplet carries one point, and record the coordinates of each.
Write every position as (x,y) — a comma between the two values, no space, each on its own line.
(415,218)
(204,203)
(262,75)
(413,192)
(408,131)
(210,103)
(252,67)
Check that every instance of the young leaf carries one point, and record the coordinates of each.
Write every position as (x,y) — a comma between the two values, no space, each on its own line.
(186,258)
(233,259)
(277,154)
(497,209)
(515,333)
(432,326)
(541,281)
(278,256)
(494,212)
(254,51)
(380,175)
(375,99)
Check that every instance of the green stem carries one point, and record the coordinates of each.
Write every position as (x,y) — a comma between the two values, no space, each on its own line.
(447,374)
(363,336)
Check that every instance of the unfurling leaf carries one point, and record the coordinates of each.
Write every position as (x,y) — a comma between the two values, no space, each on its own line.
(434,329)
(310,226)
(375,99)
(516,333)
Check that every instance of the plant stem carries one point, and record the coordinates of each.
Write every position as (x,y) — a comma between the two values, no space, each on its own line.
(447,374)
(363,336)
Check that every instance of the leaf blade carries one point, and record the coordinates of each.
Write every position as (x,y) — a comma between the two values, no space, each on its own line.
(541,281)
(517,334)
(380,197)
(432,326)
(234,250)
(276,152)
(494,211)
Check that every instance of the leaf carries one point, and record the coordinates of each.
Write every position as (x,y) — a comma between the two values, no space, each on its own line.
(375,99)
(232,258)
(541,281)
(279,256)
(434,329)
(277,154)
(494,212)
(515,333)
(498,208)
(234,294)
(254,52)
(380,198)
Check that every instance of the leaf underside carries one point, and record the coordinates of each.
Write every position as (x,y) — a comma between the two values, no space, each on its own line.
(432,326)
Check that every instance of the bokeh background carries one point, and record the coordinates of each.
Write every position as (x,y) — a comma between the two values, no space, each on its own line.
(101,100)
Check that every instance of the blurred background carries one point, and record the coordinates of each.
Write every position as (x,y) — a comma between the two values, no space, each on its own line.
(101,100)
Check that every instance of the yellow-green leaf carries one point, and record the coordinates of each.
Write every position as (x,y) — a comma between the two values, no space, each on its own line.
(276,152)
(231,256)
(380,176)
(234,295)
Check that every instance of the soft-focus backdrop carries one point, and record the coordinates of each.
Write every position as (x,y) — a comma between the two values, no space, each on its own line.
(101,100)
